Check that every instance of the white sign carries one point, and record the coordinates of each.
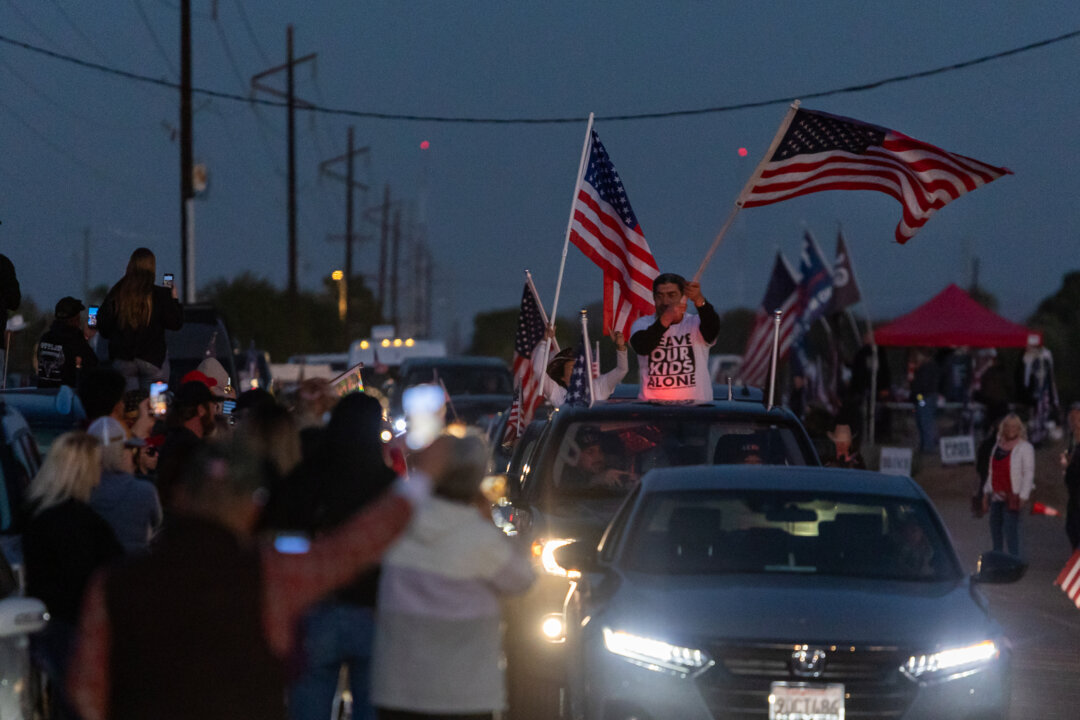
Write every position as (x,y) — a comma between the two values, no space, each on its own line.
(895,461)
(957,449)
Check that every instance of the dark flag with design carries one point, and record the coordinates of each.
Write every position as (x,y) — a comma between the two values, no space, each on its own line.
(820,152)
(815,283)
(845,288)
(579,391)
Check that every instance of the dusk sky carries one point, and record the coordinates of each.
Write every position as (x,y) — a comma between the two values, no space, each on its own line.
(85,149)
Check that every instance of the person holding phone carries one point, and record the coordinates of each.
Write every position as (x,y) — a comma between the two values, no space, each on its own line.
(63,351)
(134,317)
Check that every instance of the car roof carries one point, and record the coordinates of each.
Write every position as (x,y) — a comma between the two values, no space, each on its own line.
(780,477)
(632,408)
(456,361)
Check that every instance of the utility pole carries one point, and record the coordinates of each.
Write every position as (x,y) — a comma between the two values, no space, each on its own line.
(187,191)
(396,248)
(384,238)
(292,103)
(350,185)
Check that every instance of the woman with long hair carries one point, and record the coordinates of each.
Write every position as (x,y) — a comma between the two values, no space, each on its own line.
(65,541)
(1009,483)
(134,317)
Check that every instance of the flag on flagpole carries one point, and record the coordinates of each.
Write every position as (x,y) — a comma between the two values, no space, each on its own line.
(1069,578)
(605,228)
(827,152)
(781,294)
(845,287)
(815,283)
(579,391)
(530,331)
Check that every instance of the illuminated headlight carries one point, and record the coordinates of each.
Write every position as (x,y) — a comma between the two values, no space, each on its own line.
(551,627)
(544,551)
(951,661)
(386,436)
(400,425)
(656,654)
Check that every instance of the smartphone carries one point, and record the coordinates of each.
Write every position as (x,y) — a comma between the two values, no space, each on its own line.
(159,398)
(168,281)
(292,543)
(91,316)
(425,414)
(228,407)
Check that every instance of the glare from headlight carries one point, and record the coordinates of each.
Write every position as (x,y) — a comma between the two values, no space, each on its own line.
(552,627)
(545,550)
(386,436)
(400,425)
(951,660)
(656,654)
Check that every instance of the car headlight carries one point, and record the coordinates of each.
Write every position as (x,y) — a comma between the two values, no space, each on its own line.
(544,549)
(656,654)
(951,661)
(400,425)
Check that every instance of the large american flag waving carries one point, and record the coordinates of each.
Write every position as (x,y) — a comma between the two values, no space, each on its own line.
(827,152)
(605,228)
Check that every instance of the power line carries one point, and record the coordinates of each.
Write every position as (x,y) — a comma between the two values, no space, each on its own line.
(78,31)
(156,40)
(549,120)
(251,33)
(33,26)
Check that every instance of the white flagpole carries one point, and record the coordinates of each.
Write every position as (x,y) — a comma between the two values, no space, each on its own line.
(746,189)
(588,354)
(570,222)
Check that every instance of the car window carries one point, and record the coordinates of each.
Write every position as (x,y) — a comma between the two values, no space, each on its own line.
(463,380)
(763,532)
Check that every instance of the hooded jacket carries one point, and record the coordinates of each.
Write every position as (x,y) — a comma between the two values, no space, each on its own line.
(437,643)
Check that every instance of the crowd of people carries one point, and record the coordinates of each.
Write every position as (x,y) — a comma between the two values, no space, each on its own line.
(196,563)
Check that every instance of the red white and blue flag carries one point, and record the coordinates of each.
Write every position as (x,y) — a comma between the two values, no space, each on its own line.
(530,332)
(605,228)
(1069,579)
(821,152)
(781,294)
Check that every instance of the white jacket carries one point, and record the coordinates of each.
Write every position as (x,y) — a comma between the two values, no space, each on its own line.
(1021,470)
(603,386)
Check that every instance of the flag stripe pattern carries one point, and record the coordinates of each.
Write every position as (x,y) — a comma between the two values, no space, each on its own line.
(826,152)
(782,294)
(527,397)
(1069,579)
(578,392)
(605,228)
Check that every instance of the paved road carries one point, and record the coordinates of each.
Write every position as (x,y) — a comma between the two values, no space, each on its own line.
(1041,622)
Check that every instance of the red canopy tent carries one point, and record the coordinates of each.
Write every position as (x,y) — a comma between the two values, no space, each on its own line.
(950,319)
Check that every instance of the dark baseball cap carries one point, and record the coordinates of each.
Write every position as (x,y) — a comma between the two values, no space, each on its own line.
(192,394)
(68,307)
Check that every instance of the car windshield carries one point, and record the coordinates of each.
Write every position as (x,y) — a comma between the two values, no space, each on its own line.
(763,532)
(462,380)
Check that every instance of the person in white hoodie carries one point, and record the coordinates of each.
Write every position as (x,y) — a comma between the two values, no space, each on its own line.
(555,378)
(1009,483)
(438,648)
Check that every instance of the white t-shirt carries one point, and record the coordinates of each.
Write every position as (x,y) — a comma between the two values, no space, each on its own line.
(678,368)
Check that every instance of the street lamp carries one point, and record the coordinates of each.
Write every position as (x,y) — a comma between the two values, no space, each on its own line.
(339,277)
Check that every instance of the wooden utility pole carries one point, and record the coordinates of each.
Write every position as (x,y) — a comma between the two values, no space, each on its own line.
(292,103)
(350,185)
(187,191)
(395,251)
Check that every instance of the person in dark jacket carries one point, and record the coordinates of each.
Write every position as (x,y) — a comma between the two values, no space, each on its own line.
(1070,462)
(64,542)
(134,317)
(189,423)
(346,473)
(63,352)
(924,394)
(10,294)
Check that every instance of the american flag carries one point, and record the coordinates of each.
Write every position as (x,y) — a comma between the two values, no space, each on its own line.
(527,397)
(605,228)
(579,392)
(827,152)
(1069,579)
(781,294)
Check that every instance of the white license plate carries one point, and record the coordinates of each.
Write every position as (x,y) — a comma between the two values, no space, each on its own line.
(804,701)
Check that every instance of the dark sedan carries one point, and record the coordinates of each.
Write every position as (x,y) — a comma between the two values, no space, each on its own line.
(781,593)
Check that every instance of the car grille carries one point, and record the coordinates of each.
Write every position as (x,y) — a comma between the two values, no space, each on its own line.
(737,688)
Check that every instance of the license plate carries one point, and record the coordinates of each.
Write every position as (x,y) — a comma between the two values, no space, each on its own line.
(804,701)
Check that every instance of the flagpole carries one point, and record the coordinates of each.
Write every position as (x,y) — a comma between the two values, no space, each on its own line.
(588,353)
(746,188)
(543,316)
(570,222)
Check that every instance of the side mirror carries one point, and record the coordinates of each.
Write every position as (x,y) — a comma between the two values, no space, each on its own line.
(22,616)
(999,567)
(577,557)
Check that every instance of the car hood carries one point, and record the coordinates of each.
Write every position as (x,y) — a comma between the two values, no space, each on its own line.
(473,407)
(807,609)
